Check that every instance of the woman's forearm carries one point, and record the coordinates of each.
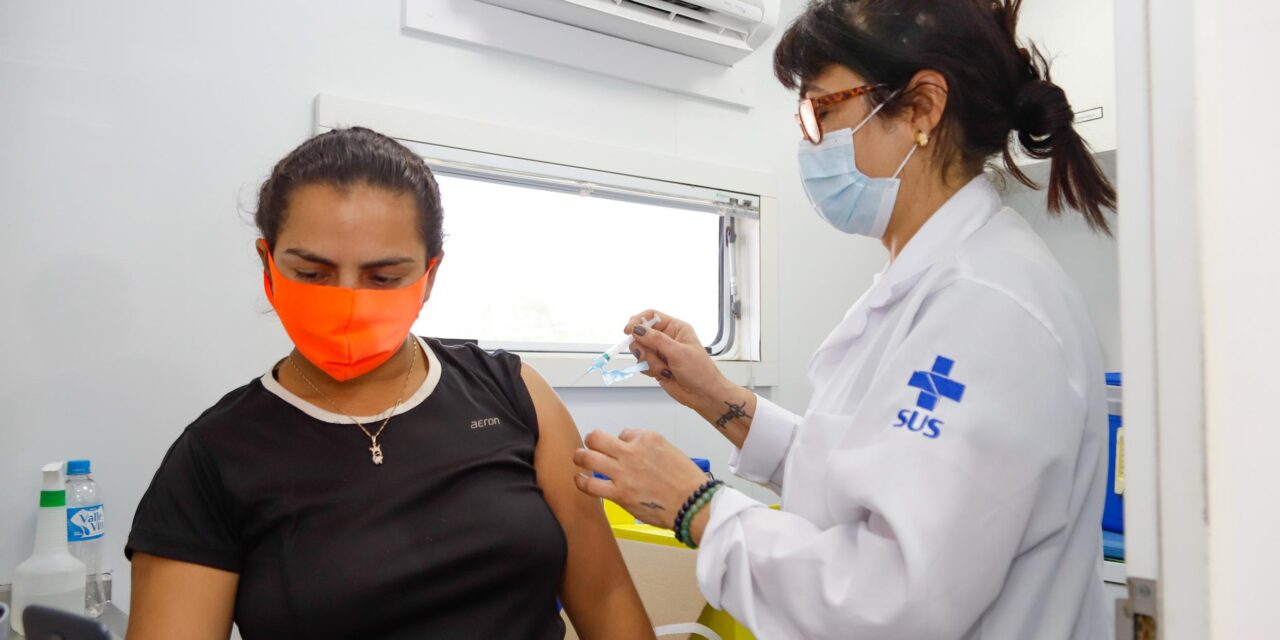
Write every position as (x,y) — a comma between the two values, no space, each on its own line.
(730,411)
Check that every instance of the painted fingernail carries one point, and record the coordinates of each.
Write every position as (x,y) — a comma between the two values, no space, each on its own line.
(666,373)
(636,353)
(639,330)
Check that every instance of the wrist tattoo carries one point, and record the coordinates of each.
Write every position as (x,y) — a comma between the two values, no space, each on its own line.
(735,411)
(653,505)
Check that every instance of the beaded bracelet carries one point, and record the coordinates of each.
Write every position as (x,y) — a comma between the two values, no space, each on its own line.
(697,500)
(688,504)
(686,527)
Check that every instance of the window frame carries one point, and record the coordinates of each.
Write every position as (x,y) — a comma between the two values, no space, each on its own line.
(751,359)
(469,164)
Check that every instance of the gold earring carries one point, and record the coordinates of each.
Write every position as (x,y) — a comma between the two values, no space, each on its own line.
(922,138)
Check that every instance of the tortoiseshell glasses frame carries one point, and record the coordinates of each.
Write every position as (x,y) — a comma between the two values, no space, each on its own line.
(810,124)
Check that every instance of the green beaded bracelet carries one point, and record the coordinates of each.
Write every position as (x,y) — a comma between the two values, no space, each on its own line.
(688,519)
(688,504)
(683,534)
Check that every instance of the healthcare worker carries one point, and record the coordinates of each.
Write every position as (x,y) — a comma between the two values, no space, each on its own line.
(947,478)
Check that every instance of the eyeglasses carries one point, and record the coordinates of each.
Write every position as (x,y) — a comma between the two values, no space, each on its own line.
(810,124)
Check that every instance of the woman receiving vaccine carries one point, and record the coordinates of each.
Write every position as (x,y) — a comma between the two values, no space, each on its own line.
(372,484)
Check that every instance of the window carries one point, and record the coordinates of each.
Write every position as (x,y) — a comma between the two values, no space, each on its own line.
(544,257)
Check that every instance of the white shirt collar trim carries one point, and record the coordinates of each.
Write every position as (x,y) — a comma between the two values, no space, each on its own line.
(428,386)
(965,212)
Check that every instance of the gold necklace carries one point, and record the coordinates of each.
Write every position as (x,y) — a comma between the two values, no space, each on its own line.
(376,449)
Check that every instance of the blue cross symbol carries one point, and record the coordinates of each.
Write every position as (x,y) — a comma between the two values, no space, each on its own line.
(936,383)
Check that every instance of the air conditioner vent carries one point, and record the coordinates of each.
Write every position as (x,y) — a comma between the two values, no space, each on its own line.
(721,31)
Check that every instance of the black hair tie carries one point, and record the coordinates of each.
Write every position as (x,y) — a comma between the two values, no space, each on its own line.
(1041,110)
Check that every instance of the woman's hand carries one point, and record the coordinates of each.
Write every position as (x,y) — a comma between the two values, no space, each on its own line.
(648,476)
(680,364)
(676,357)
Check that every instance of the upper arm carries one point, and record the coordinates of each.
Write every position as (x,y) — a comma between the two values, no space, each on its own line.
(965,450)
(174,599)
(558,439)
(596,590)
(970,427)
(184,549)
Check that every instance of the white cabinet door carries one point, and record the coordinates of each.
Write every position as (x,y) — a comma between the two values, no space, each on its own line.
(1078,38)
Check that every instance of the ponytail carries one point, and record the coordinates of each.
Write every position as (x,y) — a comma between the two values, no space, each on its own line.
(994,86)
(1044,122)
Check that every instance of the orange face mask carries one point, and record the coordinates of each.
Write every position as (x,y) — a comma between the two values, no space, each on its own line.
(345,332)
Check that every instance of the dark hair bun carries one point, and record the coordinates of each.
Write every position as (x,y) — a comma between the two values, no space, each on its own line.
(1041,110)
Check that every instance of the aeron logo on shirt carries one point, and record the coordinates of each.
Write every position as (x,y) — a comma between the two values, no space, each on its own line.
(485,422)
(933,385)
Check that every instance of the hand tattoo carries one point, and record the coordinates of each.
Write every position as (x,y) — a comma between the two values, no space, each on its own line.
(653,505)
(735,411)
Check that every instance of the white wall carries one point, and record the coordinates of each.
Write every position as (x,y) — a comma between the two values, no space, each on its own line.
(1235,47)
(135,133)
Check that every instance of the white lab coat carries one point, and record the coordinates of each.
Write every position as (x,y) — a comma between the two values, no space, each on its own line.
(976,514)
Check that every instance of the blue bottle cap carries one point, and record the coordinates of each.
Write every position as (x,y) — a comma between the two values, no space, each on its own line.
(703,464)
(77,467)
(1113,379)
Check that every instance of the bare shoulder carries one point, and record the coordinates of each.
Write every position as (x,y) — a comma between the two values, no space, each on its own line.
(555,425)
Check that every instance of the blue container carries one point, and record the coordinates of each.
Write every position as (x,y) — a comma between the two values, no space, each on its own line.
(1113,512)
(1112,545)
(705,465)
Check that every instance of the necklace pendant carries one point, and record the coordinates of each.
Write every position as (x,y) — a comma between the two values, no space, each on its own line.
(376,449)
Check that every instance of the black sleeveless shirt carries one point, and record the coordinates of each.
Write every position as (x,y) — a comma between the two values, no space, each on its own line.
(450,538)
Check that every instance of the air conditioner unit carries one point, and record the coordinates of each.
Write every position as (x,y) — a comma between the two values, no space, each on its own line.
(721,31)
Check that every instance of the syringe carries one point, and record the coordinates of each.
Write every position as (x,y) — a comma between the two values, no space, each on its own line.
(603,359)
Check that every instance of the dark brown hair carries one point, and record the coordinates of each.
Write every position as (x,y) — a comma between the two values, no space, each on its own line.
(995,86)
(349,157)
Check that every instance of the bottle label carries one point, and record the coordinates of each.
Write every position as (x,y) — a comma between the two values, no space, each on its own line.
(85,523)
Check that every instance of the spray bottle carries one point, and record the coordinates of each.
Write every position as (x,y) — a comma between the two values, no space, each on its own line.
(51,577)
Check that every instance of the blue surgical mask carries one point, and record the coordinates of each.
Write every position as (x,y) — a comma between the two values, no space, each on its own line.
(844,196)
